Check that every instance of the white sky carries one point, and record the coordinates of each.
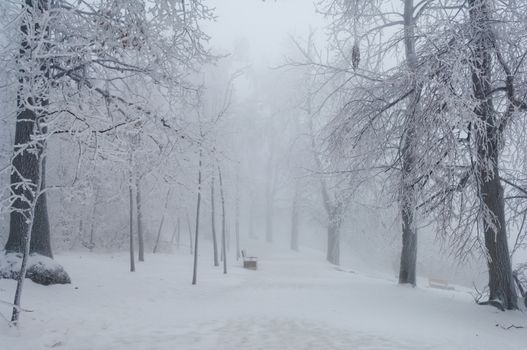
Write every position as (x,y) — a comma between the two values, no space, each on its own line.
(266,25)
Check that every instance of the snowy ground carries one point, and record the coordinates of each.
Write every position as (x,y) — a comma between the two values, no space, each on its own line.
(292,302)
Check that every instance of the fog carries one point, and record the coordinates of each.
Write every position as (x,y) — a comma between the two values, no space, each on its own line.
(270,174)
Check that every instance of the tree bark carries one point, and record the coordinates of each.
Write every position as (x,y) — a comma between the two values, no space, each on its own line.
(488,138)
(178,236)
(213,223)
(237,214)
(158,238)
(25,256)
(251,218)
(294,221)
(190,234)
(139,208)
(333,248)
(196,235)
(92,220)
(131,212)
(223,228)
(269,202)
(30,115)
(407,272)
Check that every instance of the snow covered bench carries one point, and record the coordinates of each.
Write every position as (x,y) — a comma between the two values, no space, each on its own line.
(439,284)
(249,262)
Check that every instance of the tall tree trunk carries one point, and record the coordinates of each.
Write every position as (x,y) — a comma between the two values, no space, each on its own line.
(294,220)
(488,138)
(251,217)
(334,208)
(139,207)
(178,236)
(407,272)
(25,255)
(223,228)
(333,248)
(196,235)
(158,237)
(190,234)
(269,202)
(131,212)
(237,214)
(92,220)
(213,223)
(28,153)
(160,229)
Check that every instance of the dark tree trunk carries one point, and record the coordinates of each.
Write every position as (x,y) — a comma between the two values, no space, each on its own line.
(190,234)
(139,208)
(488,138)
(251,218)
(269,203)
(178,236)
(294,221)
(213,223)
(161,223)
(92,220)
(28,125)
(196,235)
(407,272)
(237,215)
(223,228)
(333,248)
(131,212)
(159,230)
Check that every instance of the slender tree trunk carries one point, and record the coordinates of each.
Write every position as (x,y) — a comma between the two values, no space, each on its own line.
(213,223)
(196,235)
(407,271)
(178,236)
(334,209)
(25,256)
(190,234)
(237,215)
(223,228)
(158,238)
(139,207)
(131,193)
(92,223)
(294,221)
(269,203)
(251,218)
(159,230)
(488,138)
(173,238)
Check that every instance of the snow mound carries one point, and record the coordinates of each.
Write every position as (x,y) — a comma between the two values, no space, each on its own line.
(41,269)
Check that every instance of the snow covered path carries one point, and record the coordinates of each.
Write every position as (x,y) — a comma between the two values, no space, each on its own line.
(291,302)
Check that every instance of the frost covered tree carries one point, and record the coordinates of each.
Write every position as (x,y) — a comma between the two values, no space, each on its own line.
(439,117)
(76,64)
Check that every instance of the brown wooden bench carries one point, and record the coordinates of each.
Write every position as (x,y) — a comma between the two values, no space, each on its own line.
(249,262)
(439,284)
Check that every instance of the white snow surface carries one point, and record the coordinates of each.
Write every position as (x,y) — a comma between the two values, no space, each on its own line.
(293,301)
